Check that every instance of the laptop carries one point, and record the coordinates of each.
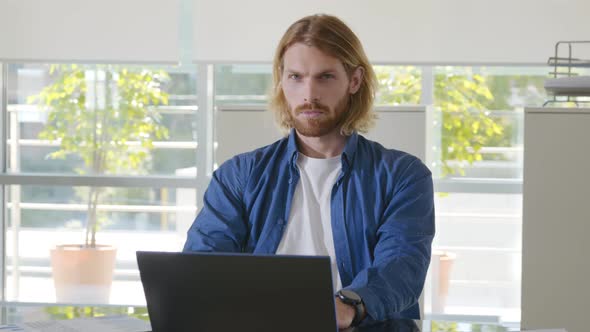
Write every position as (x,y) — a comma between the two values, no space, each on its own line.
(203,292)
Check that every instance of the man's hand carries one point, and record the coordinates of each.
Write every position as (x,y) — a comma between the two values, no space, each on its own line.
(344,314)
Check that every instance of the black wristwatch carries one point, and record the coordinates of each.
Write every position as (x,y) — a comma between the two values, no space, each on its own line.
(353,299)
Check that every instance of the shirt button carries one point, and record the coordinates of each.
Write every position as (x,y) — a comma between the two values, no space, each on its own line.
(280,221)
(290,180)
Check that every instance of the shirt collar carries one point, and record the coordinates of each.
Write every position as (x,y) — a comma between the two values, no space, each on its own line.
(347,154)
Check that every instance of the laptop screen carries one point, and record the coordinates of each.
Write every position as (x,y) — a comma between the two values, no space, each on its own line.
(237,292)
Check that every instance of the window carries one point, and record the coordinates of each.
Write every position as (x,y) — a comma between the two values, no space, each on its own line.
(478,207)
(148,197)
(61,105)
(242,84)
(113,145)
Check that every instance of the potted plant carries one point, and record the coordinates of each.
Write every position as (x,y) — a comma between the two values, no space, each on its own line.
(103,115)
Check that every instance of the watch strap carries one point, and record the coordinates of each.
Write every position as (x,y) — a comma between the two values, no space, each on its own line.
(359,311)
(357,304)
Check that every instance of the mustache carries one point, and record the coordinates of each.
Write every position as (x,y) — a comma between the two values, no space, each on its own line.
(311,106)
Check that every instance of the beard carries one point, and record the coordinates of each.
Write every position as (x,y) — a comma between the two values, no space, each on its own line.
(328,121)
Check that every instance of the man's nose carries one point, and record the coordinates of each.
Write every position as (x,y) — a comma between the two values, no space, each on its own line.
(311,94)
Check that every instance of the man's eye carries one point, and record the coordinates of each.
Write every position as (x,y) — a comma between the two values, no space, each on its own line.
(294,76)
(326,76)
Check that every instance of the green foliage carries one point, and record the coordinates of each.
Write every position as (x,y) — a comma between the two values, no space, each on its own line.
(467,126)
(462,98)
(110,123)
(437,326)
(442,326)
(69,312)
(403,86)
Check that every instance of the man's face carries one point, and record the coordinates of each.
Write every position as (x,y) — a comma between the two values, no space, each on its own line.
(317,89)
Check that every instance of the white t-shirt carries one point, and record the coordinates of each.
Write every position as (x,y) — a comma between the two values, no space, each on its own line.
(309,229)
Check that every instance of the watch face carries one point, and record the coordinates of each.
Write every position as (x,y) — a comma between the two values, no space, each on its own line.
(350,295)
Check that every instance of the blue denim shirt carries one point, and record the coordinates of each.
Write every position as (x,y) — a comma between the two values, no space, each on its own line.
(382,217)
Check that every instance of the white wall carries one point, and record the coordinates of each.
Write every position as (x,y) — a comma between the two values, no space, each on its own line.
(394,31)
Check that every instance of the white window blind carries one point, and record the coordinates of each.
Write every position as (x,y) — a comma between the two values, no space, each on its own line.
(89,31)
(416,32)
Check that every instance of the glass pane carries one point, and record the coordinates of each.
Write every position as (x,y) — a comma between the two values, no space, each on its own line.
(100,119)
(129,219)
(398,85)
(250,84)
(478,246)
(482,118)
(242,84)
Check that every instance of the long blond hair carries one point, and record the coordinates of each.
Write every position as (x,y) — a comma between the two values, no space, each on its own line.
(333,37)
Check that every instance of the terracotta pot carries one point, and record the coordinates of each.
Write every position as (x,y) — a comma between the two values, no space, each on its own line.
(82,274)
(444,265)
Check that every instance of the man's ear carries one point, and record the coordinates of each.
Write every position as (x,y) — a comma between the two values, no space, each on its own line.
(356,79)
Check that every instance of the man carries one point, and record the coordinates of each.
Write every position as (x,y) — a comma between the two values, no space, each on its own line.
(324,189)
